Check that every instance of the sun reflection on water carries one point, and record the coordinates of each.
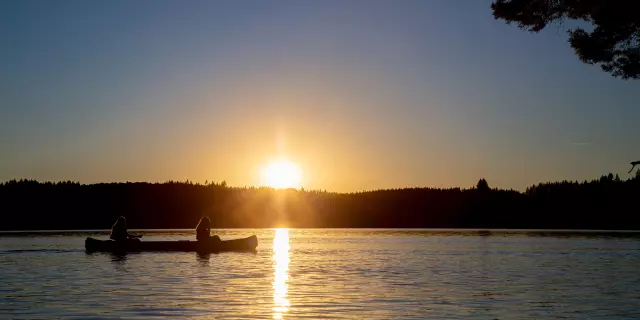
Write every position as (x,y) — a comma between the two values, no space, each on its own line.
(280,273)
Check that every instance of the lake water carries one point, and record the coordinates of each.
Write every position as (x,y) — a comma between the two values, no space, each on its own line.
(320,273)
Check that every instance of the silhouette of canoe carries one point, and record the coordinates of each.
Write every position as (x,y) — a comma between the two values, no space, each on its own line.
(243,244)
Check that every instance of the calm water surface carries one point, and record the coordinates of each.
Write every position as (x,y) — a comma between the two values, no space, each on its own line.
(298,273)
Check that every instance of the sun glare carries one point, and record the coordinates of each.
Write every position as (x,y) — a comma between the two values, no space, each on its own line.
(281,260)
(282,174)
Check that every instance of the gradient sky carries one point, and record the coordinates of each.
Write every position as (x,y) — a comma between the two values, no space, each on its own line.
(361,94)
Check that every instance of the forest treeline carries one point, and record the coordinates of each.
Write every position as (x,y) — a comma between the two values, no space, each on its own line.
(605,203)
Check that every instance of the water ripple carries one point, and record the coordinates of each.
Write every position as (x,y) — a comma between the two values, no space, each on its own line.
(328,274)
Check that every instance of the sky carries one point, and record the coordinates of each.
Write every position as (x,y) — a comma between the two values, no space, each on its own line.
(360,94)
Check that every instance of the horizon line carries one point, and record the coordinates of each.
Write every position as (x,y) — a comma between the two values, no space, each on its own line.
(224,184)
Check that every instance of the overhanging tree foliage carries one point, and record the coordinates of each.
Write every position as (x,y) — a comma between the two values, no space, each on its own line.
(614,42)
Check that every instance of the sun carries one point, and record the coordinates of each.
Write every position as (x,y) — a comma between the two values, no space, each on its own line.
(282,174)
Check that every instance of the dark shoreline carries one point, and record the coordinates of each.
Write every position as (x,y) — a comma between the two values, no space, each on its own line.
(607,203)
(557,233)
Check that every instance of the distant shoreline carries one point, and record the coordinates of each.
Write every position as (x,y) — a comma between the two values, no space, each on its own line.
(608,203)
(425,230)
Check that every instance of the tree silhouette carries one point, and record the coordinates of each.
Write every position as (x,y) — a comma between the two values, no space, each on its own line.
(614,42)
(597,204)
(483,185)
(633,165)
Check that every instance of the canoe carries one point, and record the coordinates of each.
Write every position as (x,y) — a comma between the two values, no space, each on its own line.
(243,244)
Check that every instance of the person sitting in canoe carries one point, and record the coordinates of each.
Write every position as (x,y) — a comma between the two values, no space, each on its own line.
(119,231)
(203,230)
